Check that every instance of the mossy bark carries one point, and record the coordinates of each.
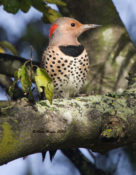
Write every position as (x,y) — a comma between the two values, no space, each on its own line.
(100,123)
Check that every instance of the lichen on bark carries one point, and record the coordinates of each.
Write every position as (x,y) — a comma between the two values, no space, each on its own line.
(8,142)
(100,122)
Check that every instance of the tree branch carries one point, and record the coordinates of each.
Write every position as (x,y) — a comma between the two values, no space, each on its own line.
(9,64)
(90,11)
(6,82)
(83,164)
(97,122)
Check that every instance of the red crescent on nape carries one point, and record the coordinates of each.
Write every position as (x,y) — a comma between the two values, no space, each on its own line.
(52,29)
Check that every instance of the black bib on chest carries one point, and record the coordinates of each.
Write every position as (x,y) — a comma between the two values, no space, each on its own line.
(72,50)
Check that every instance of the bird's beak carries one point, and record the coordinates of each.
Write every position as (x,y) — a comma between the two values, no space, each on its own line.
(89,26)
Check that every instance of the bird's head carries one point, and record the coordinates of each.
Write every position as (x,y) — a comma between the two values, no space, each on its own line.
(65,31)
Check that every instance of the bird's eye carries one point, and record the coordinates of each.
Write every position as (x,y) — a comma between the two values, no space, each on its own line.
(73,24)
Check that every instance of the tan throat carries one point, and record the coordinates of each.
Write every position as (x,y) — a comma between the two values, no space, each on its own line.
(63,40)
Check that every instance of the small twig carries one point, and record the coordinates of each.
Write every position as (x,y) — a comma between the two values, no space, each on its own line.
(31,63)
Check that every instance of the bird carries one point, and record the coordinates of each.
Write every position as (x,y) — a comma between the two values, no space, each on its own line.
(65,59)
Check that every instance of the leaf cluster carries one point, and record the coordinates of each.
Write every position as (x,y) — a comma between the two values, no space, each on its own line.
(49,14)
(40,78)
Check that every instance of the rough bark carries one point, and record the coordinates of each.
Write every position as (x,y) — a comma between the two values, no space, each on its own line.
(100,123)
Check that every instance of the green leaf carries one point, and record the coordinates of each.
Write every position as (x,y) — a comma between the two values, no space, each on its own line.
(11,6)
(9,46)
(24,78)
(44,83)
(23,75)
(50,15)
(39,5)
(57,2)
(2,50)
(25,5)
(12,87)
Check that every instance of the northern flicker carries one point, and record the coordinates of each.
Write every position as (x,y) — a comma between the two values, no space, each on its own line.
(65,59)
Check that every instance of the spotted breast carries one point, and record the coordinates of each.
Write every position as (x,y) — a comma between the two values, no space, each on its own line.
(68,67)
